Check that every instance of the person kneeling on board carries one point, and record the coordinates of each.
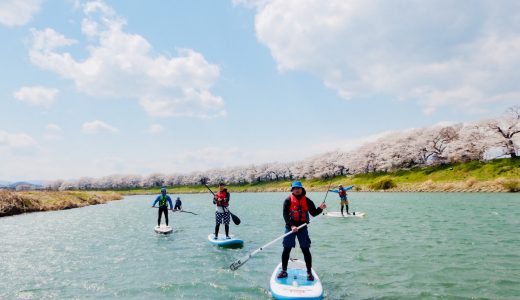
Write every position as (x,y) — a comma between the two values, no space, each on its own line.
(178,204)
(221,200)
(296,210)
(163,200)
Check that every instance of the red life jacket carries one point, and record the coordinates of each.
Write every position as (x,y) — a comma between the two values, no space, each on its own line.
(342,193)
(222,195)
(298,211)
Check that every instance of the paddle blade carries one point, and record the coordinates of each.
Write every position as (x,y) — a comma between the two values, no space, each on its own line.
(238,263)
(236,219)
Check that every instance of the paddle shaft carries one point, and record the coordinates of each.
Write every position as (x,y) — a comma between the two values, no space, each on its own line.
(174,210)
(210,190)
(328,188)
(276,240)
(184,211)
(238,263)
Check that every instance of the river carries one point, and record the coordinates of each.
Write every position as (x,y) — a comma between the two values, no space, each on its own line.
(409,246)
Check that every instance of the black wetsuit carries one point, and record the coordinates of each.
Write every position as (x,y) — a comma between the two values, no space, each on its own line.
(162,209)
(178,204)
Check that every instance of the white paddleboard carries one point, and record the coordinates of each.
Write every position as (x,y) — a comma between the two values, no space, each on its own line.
(224,242)
(295,285)
(163,229)
(337,214)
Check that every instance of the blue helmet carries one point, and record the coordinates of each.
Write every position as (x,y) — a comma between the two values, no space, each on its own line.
(163,190)
(296,184)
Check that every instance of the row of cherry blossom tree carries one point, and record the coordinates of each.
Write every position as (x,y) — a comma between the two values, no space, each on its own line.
(463,142)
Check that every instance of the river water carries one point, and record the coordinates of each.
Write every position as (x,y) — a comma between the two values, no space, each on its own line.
(409,246)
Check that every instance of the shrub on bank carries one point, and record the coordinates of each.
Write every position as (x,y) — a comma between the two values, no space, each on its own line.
(384,183)
(511,186)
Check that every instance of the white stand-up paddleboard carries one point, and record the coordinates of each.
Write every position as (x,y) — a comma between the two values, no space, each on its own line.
(337,214)
(163,229)
(222,241)
(295,285)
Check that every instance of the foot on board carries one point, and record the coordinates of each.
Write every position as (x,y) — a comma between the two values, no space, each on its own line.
(310,277)
(282,274)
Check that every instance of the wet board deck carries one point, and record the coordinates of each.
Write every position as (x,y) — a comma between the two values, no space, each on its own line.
(337,214)
(223,242)
(163,229)
(295,285)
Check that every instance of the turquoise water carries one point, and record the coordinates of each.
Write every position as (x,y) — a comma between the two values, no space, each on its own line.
(409,246)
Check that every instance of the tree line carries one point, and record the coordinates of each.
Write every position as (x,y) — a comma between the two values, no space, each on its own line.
(463,142)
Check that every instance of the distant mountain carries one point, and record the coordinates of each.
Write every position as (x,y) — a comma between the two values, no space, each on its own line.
(35,182)
(25,185)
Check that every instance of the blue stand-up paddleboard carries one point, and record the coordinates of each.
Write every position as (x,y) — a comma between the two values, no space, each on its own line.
(295,285)
(163,229)
(223,242)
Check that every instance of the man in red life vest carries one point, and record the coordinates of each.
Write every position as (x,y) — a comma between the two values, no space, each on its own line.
(296,210)
(221,200)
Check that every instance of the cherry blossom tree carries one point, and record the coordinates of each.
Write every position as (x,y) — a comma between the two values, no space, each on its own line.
(506,128)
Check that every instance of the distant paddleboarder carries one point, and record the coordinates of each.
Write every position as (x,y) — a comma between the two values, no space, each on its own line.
(296,210)
(163,199)
(178,204)
(343,197)
(221,199)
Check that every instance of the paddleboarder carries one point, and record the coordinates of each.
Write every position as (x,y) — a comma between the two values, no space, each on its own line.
(163,199)
(221,199)
(178,204)
(296,210)
(343,197)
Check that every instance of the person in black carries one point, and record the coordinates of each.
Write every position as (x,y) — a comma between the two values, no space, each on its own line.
(178,204)
(163,199)
(296,210)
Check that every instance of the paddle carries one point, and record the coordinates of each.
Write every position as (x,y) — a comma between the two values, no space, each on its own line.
(240,262)
(184,211)
(235,219)
(328,188)
(175,210)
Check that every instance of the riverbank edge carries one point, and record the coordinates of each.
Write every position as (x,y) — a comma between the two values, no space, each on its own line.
(500,185)
(15,203)
(500,175)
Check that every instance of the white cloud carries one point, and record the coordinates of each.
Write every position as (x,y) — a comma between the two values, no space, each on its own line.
(156,128)
(97,126)
(37,95)
(53,132)
(18,12)
(123,65)
(47,40)
(461,54)
(17,143)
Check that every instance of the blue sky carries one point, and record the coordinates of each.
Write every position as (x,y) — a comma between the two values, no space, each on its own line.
(93,88)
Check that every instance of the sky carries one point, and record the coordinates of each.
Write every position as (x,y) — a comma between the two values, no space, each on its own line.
(94,88)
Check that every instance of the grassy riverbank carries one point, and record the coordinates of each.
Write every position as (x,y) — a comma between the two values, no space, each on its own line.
(13,203)
(501,175)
